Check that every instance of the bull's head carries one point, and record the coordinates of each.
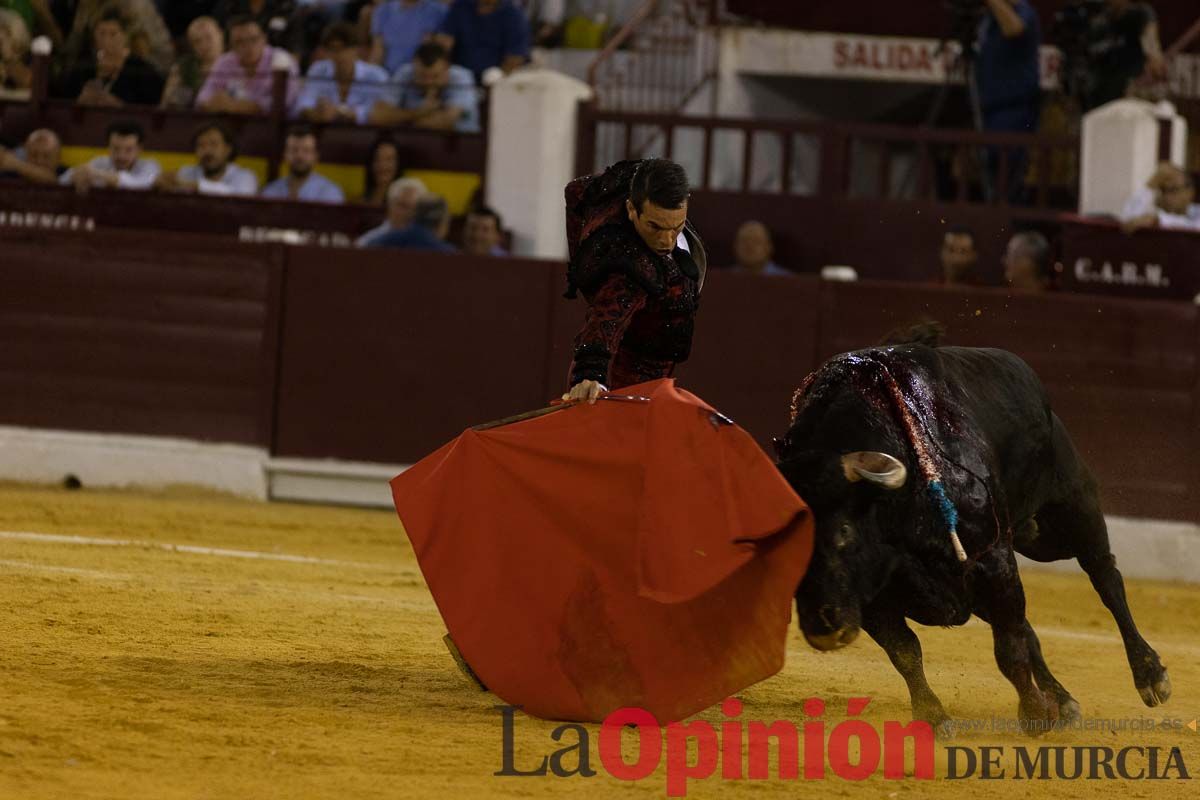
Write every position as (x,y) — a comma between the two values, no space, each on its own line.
(852,559)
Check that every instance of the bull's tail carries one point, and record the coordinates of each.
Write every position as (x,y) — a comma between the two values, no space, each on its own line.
(927,332)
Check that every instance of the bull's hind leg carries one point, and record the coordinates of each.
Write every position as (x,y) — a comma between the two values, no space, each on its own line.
(885,624)
(1079,524)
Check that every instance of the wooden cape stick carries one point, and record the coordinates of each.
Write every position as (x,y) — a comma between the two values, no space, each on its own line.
(541,412)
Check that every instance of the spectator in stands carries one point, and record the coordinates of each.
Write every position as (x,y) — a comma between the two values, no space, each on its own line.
(15,74)
(214,172)
(382,169)
(1167,201)
(39,161)
(148,36)
(1008,75)
(37,18)
(431,93)
(178,15)
(960,259)
(275,18)
(483,232)
(122,168)
(302,182)
(398,28)
(431,223)
(206,43)
(1028,262)
(402,197)
(752,250)
(1122,45)
(240,82)
(481,34)
(342,87)
(117,75)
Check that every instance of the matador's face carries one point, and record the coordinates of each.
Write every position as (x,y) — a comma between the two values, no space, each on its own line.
(659,227)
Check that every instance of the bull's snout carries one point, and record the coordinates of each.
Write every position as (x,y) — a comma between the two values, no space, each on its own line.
(833,641)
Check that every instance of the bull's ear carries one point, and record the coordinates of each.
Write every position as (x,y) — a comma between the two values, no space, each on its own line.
(878,468)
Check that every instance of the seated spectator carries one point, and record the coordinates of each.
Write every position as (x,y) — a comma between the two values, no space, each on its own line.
(752,250)
(431,93)
(206,43)
(149,38)
(240,81)
(15,75)
(341,87)
(483,232)
(1028,262)
(382,169)
(1167,201)
(276,18)
(431,223)
(214,172)
(959,258)
(122,168)
(402,196)
(37,162)
(398,28)
(117,75)
(481,34)
(302,182)
(37,18)
(178,15)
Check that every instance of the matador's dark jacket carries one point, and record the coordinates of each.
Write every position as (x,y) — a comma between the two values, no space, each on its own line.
(641,306)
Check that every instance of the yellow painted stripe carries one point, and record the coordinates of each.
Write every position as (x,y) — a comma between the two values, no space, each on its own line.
(457,187)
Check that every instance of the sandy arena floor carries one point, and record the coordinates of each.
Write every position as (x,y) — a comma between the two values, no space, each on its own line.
(129,669)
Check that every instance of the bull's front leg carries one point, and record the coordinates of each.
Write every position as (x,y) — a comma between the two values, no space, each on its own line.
(884,622)
(1001,600)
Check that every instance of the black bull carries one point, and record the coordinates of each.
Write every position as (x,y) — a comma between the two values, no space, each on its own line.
(896,447)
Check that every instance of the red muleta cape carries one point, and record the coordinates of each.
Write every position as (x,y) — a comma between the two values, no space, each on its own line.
(618,554)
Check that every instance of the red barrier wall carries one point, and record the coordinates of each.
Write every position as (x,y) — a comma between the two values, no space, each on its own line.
(384,356)
(389,354)
(138,333)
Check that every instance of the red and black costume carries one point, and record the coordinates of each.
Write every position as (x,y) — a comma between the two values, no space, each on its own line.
(641,305)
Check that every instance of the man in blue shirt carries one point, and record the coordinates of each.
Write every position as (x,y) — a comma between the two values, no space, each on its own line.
(1008,74)
(431,223)
(214,171)
(481,34)
(302,183)
(431,93)
(341,87)
(398,28)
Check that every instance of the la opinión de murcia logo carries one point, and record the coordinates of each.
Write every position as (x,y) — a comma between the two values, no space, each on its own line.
(851,750)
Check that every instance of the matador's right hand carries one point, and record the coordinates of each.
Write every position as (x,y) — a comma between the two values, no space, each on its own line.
(585,390)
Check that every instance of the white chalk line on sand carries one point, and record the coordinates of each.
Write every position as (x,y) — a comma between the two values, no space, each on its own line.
(79,571)
(192,549)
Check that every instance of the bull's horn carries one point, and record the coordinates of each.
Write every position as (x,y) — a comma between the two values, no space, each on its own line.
(878,468)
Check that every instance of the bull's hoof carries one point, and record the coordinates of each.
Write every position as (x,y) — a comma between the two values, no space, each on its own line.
(944,730)
(1069,713)
(1037,713)
(933,713)
(1157,692)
